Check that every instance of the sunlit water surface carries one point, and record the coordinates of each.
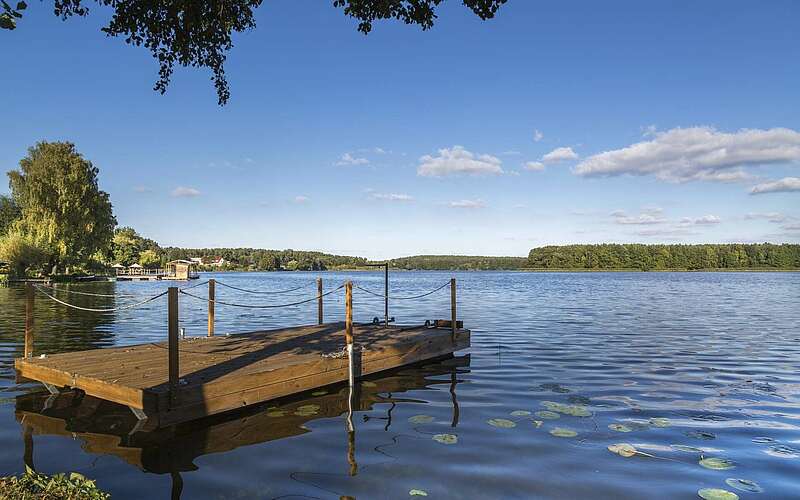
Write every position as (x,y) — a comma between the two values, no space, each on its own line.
(694,365)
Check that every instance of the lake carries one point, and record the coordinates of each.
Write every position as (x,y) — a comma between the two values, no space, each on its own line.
(684,367)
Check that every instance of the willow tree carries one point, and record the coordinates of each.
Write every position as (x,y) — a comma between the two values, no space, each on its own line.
(62,208)
(197,33)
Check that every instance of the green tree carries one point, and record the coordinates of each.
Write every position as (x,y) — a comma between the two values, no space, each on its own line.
(21,253)
(9,213)
(198,33)
(62,208)
(149,258)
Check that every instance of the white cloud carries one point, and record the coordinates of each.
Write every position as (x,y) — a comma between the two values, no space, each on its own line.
(646,218)
(704,220)
(467,204)
(537,136)
(347,159)
(696,153)
(559,155)
(775,217)
(791,228)
(400,197)
(300,199)
(458,160)
(668,233)
(534,166)
(785,185)
(649,131)
(185,192)
(142,189)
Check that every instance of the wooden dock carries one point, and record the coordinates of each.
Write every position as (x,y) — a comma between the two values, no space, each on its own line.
(222,373)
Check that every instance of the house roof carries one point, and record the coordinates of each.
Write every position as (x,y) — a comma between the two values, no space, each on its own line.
(181,261)
(135,266)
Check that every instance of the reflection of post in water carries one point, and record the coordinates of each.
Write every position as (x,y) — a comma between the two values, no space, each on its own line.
(177,485)
(453,382)
(351,433)
(27,436)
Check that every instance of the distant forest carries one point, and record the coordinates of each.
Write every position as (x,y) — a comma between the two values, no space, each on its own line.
(663,257)
(458,262)
(255,259)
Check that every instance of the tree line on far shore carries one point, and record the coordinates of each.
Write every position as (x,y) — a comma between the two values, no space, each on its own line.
(666,257)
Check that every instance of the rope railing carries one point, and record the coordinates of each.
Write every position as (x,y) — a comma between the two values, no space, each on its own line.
(392,297)
(99,310)
(196,285)
(261,306)
(265,292)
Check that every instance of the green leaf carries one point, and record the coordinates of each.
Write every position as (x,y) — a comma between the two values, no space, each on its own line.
(22,6)
(501,422)
(420,419)
(744,485)
(418,493)
(619,427)
(445,438)
(623,449)
(547,415)
(715,463)
(660,422)
(7,22)
(717,494)
(563,433)
(520,413)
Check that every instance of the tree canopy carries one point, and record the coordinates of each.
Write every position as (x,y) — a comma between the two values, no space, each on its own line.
(9,213)
(62,210)
(197,33)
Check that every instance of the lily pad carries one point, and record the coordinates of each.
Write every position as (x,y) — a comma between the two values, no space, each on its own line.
(501,422)
(563,433)
(367,383)
(537,423)
(276,413)
(704,435)
(782,451)
(717,494)
(716,463)
(578,399)
(553,387)
(418,493)
(306,410)
(619,427)
(744,485)
(520,413)
(623,449)
(420,419)
(445,438)
(763,440)
(319,393)
(687,449)
(572,410)
(547,415)
(660,422)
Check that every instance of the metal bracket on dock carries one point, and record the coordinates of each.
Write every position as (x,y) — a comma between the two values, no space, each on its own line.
(141,418)
(54,392)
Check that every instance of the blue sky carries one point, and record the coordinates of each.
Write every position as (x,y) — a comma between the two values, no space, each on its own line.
(556,122)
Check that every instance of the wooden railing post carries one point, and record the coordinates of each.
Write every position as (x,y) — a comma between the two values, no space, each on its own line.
(348,312)
(29,320)
(386,294)
(453,307)
(212,295)
(173,344)
(319,301)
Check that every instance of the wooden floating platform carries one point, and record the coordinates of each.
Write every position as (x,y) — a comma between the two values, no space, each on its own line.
(223,373)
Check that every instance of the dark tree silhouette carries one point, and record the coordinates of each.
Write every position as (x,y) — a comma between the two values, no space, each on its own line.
(197,33)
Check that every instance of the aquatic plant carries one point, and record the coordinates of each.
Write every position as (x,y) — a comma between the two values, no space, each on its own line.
(420,419)
(717,494)
(35,486)
(744,485)
(716,463)
(501,422)
(445,438)
(563,433)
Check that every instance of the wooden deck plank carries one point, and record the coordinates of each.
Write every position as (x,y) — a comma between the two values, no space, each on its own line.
(221,373)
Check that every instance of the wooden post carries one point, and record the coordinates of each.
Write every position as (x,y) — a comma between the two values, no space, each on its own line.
(386,293)
(453,307)
(348,312)
(212,295)
(29,320)
(319,301)
(172,315)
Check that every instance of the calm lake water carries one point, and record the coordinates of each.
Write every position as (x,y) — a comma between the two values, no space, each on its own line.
(692,365)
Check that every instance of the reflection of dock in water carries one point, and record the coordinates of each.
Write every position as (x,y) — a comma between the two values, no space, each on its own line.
(107,428)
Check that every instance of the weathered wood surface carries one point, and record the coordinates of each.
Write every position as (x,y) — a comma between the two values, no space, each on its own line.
(222,373)
(105,427)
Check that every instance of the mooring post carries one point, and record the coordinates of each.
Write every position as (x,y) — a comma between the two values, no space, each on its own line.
(348,329)
(28,319)
(386,293)
(453,307)
(172,315)
(212,295)
(319,301)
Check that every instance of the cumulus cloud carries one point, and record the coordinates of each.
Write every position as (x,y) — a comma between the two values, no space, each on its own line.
(467,204)
(142,189)
(300,199)
(457,160)
(348,159)
(704,220)
(399,197)
(696,153)
(185,192)
(535,166)
(775,217)
(785,185)
(537,136)
(646,218)
(560,154)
